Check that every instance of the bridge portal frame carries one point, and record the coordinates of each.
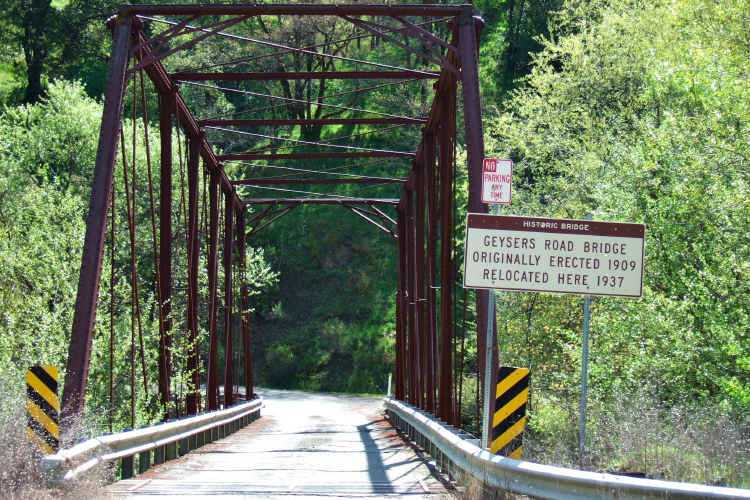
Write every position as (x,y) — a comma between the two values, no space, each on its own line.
(424,213)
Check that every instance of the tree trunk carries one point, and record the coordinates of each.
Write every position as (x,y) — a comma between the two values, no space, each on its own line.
(34,43)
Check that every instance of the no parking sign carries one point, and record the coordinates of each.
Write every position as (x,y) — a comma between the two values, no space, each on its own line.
(497,180)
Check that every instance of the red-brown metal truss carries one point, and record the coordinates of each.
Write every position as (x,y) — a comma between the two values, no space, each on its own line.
(424,219)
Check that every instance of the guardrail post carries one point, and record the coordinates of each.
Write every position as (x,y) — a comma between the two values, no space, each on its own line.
(127,467)
(159,455)
(144,461)
(183,448)
(159,451)
(127,464)
(192,441)
(144,458)
(171,448)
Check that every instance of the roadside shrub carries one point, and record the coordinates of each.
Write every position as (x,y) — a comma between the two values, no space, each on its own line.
(638,434)
(22,476)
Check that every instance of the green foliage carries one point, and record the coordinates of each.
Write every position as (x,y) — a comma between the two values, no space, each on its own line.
(41,222)
(629,131)
(638,112)
(334,307)
(510,37)
(636,433)
(55,141)
(632,111)
(46,163)
(44,40)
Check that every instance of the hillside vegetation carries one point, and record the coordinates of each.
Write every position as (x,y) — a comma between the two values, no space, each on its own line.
(632,111)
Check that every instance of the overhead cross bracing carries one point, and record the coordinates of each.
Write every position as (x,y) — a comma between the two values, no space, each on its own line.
(280,106)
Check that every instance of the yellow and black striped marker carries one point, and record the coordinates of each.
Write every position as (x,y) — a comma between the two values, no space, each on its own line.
(510,411)
(43,408)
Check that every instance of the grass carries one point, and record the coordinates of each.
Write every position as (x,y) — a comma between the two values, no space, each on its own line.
(21,476)
(639,434)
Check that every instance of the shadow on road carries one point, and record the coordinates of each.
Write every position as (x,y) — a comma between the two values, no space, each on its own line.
(375,465)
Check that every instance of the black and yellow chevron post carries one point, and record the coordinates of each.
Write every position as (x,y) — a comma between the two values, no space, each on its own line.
(43,408)
(510,411)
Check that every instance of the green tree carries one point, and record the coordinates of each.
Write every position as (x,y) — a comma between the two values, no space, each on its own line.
(45,40)
(46,154)
(29,25)
(511,36)
(638,113)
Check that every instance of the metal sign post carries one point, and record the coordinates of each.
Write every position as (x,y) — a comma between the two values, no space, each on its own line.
(584,374)
(497,182)
(488,399)
(584,379)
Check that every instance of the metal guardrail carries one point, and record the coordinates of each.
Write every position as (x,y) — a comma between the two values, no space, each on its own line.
(167,441)
(459,455)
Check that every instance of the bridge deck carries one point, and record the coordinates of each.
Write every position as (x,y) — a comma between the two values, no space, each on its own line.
(305,445)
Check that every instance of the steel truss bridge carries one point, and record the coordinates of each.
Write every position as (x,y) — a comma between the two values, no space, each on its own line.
(324,84)
(308,83)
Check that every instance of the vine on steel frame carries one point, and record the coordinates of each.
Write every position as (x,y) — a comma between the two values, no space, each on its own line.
(424,219)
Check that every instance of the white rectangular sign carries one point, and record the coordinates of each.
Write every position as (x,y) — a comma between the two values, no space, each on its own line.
(497,180)
(554,255)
